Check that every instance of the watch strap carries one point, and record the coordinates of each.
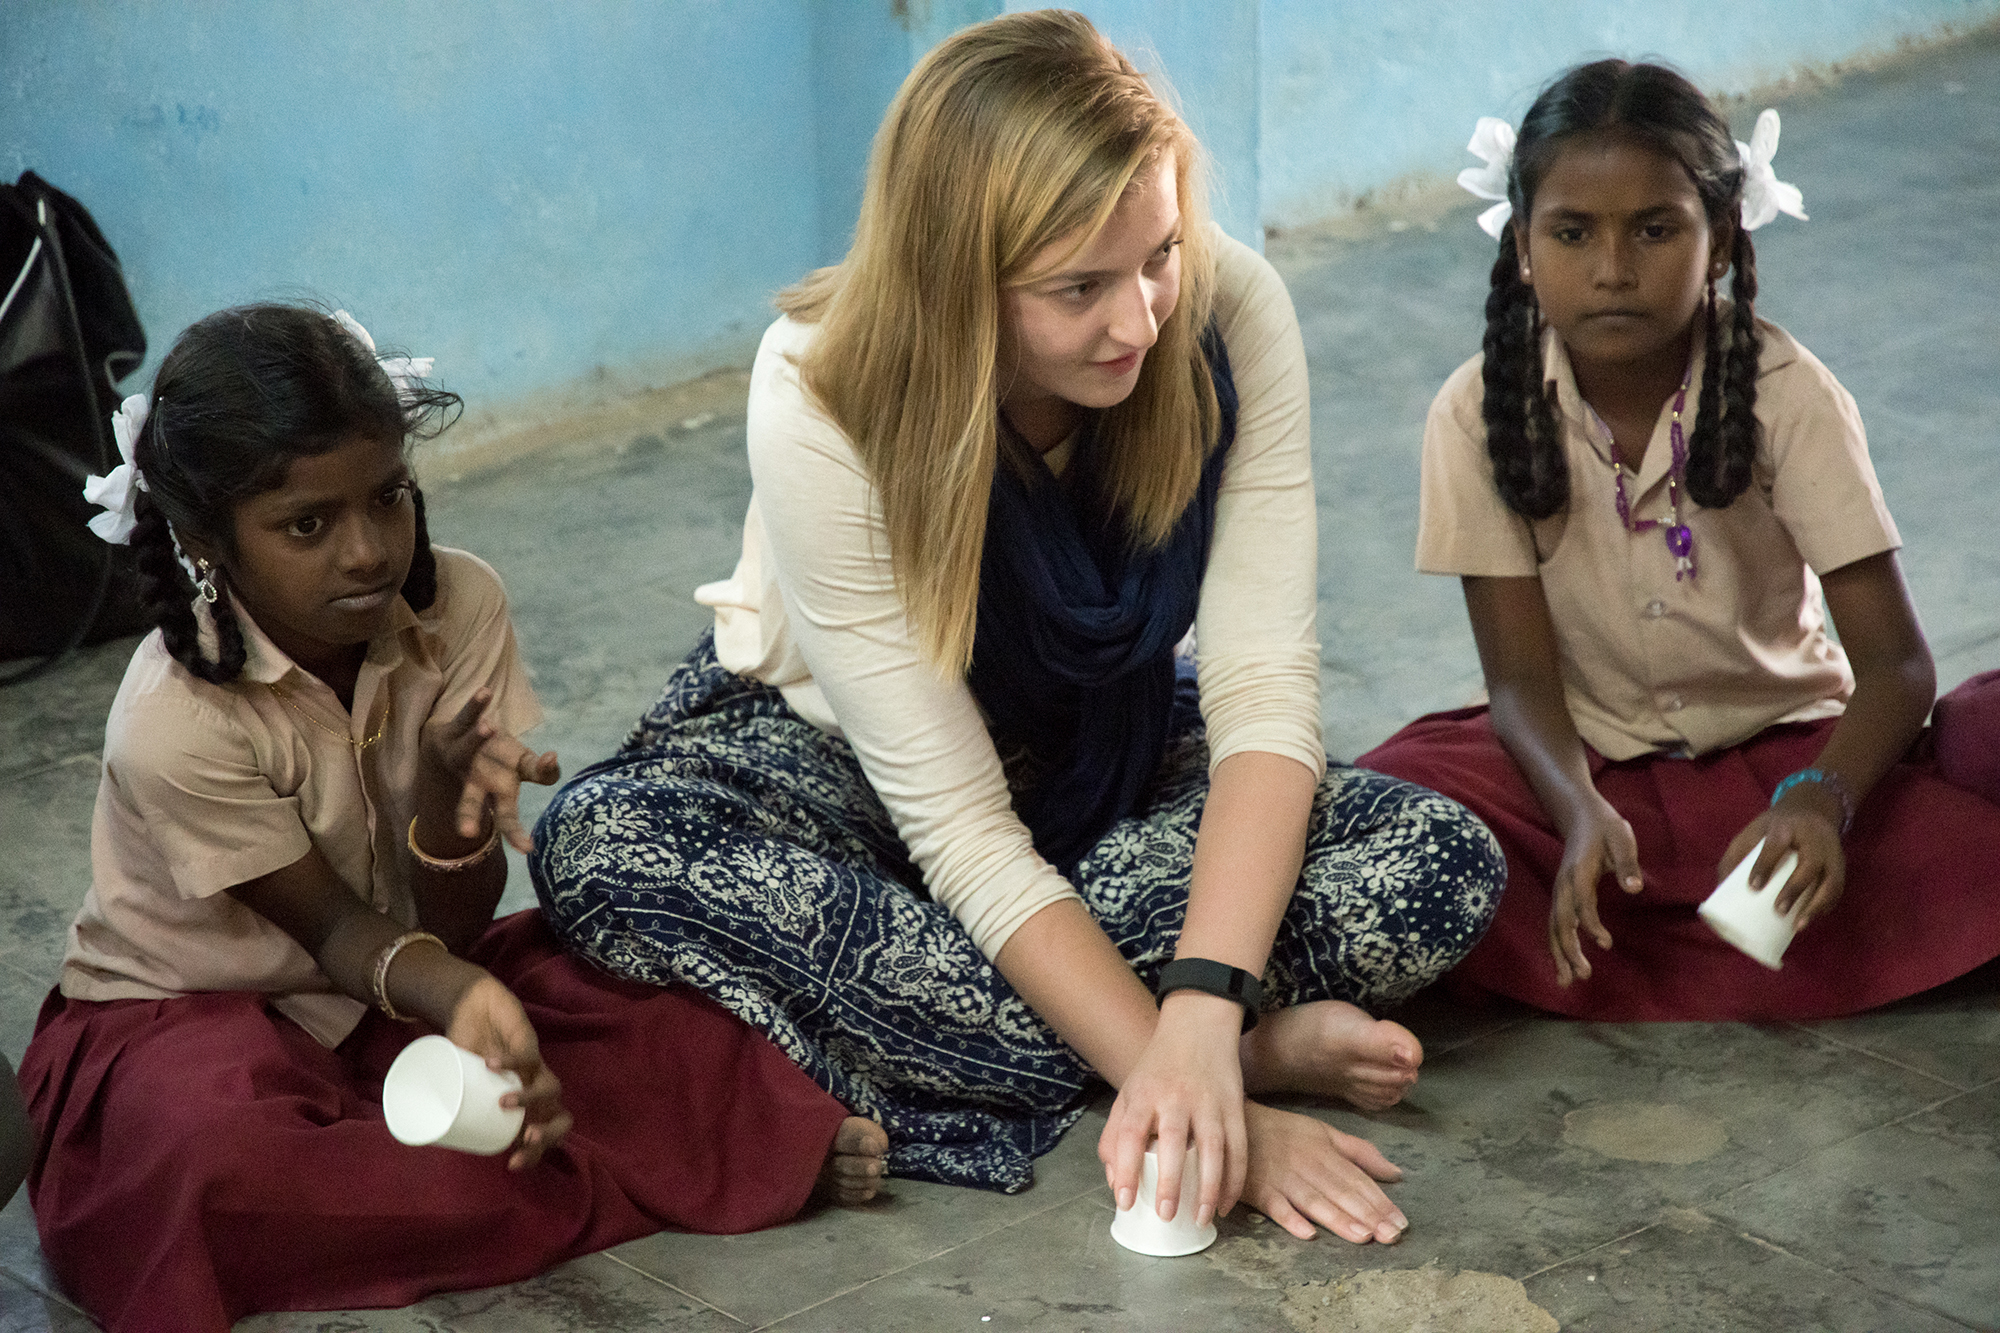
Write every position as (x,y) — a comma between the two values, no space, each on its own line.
(1213,978)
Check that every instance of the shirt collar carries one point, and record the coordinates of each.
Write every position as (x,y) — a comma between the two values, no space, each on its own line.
(265,663)
(1580,420)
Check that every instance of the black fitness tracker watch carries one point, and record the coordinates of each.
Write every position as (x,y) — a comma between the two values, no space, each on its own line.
(1213,978)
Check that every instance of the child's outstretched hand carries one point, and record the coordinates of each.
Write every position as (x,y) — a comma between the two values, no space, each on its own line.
(489,1021)
(1797,823)
(491,764)
(1600,842)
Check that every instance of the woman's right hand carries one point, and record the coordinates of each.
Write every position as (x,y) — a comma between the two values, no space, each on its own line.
(487,766)
(489,1021)
(1304,1171)
(1600,842)
(1186,1090)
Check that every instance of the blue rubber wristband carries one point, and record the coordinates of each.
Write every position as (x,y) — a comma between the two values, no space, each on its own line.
(1824,778)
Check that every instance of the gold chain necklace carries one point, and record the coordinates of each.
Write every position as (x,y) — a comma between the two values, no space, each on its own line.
(285,699)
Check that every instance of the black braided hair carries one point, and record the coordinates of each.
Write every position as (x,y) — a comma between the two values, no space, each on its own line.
(1522,436)
(1724,443)
(242,394)
(1654,106)
(168,596)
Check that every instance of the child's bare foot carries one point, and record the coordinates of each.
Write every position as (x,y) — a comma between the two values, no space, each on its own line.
(1332,1049)
(854,1165)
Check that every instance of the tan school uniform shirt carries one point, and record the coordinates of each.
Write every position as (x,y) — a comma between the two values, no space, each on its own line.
(1651,663)
(813,609)
(205,787)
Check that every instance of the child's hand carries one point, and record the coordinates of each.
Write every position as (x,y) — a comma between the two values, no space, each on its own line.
(1796,824)
(489,1021)
(491,764)
(1599,843)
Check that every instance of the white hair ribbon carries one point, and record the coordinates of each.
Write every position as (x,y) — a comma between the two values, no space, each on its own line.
(1492,139)
(118,494)
(1764,195)
(403,371)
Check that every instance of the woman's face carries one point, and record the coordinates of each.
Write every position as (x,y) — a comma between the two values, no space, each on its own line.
(1619,253)
(1077,336)
(320,560)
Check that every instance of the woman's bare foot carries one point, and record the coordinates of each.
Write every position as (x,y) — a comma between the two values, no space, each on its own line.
(854,1165)
(1332,1049)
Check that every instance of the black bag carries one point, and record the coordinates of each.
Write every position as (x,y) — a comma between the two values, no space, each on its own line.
(68,334)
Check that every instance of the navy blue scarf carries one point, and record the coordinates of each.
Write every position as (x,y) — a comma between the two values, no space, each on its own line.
(1073,657)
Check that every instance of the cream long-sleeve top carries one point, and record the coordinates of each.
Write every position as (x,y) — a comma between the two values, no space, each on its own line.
(812,608)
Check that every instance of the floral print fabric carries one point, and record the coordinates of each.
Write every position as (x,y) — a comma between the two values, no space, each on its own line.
(734,847)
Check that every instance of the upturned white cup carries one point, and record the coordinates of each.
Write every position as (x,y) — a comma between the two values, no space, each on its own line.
(1139,1227)
(1752,921)
(438,1093)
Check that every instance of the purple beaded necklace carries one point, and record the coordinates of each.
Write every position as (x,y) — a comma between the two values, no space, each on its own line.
(1680,540)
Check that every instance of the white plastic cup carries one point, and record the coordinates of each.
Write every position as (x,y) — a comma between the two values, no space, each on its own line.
(1751,921)
(1139,1227)
(438,1093)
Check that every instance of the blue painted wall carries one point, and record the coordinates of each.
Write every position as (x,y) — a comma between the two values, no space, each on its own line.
(1359,93)
(603,195)
(528,193)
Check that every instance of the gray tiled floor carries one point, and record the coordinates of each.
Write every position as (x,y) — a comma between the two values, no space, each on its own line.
(1848,1173)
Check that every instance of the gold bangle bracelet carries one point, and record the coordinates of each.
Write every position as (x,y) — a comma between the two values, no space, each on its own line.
(388,956)
(456,863)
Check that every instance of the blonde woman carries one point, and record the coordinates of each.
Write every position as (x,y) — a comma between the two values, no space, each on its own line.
(938,806)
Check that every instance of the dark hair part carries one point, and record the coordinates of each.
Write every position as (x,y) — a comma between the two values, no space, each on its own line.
(242,394)
(1654,106)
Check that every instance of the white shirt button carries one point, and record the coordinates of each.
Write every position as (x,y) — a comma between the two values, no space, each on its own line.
(1655,609)
(1674,704)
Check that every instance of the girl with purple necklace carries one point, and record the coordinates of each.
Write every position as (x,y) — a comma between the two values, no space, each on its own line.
(1654,500)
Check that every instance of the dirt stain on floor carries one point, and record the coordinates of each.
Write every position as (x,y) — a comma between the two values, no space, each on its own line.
(1645,1132)
(1417,1300)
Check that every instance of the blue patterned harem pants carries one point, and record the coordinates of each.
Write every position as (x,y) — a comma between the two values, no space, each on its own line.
(733,846)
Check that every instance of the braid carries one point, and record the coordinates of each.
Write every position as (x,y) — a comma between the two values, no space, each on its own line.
(165,595)
(1704,447)
(167,598)
(228,640)
(1724,447)
(1746,352)
(421,583)
(1522,437)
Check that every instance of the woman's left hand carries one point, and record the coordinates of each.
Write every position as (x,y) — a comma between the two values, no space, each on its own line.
(489,1021)
(490,764)
(1187,1088)
(1797,823)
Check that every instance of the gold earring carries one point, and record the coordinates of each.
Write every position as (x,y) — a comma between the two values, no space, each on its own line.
(205,585)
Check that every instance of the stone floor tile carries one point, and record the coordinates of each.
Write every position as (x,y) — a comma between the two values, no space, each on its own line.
(1951,1033)
(1443,1022)
(1690,1274)
(1059,1270)
(770,1274)
(25,1310)
(21,1255)
(1911,1209)
(61,714)
(1493,1184)
(45,828)
(21,996)
(594,1294)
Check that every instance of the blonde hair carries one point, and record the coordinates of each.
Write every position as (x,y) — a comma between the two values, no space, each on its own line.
(1007,138)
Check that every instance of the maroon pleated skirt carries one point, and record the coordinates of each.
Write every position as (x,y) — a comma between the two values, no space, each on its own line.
(203,1158)
(1922,901)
